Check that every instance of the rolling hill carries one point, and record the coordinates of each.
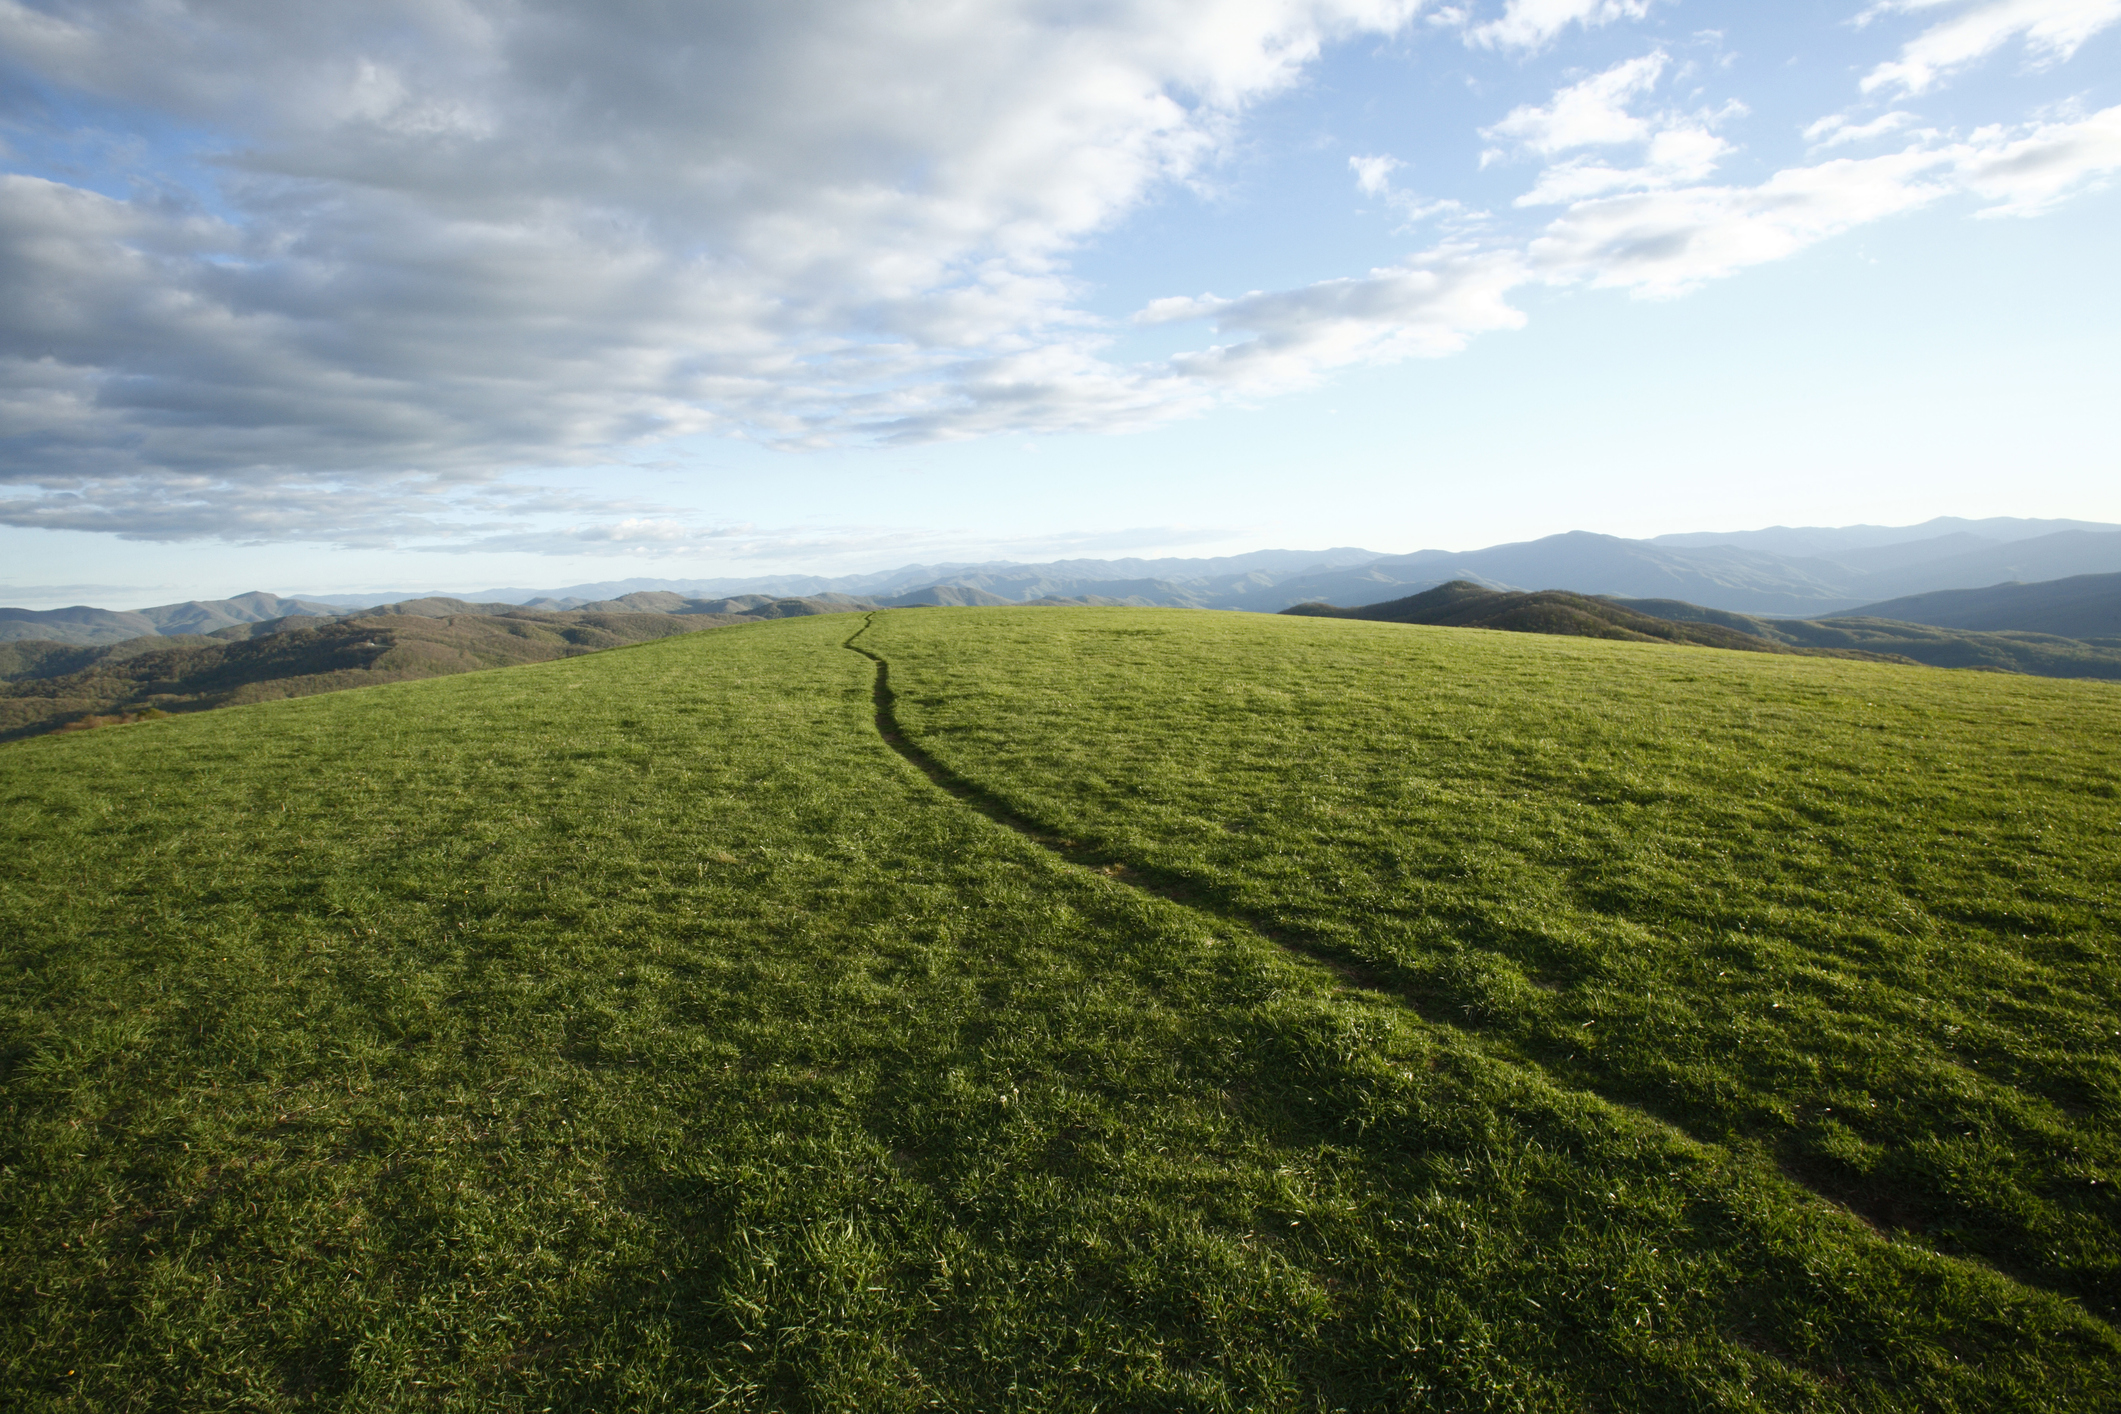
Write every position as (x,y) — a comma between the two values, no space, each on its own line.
(1089,1008)
(89,627)
(2084,607)
(1462,604)
(1791,572)
(50,686)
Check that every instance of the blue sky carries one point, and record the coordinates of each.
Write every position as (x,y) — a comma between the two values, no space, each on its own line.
(452,294)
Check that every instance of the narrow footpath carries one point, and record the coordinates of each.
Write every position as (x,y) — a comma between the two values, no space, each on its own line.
(1347,973)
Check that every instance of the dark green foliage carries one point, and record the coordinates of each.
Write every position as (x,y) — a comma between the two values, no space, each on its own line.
(2084,606)
(2041,654)
(639,1032)
(1463,604)
(28,659)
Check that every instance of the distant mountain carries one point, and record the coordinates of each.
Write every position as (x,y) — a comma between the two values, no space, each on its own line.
(884,584)
(2085,606)
(1464,605)
(945,595)
(1834,542)
(78,624)
(2039,654)
(2058,556)
(83,625)
(53,687)
(1795,573)
(47,684)
(1732,577)
(1585,563)
(1741,579)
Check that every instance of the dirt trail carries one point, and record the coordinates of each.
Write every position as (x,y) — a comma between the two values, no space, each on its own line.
(1347,972)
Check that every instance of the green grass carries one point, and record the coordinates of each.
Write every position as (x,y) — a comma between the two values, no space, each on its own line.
(47,686)
(639,1031)
(1860,919)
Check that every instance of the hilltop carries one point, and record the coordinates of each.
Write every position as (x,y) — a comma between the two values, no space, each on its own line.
(45,686)
(1090,1008)
(1463,604)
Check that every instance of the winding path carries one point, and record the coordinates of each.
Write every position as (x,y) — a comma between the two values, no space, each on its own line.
(1350,974)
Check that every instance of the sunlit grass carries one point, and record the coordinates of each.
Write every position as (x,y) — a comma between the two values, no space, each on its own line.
(639,1031)
(1860,918)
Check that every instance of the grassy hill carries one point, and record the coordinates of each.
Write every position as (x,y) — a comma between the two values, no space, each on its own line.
(1507,1022)
(55,686)
(2085,606)
(1463,604)
(2036,653)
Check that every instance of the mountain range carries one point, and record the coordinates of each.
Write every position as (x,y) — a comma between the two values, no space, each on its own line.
(1464,605)
(1791,572)
(47,685)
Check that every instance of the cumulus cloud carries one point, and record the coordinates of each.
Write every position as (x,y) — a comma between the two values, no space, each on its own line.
(1600,111)
(450,236)
(1587,114)
(1373,178)
(1668,242)
(1532,24)
(1374,174)
(2024,174)
(176,506)
(1665,243)
(1427,307)
(375,258)
(1836,130)
(2051,29)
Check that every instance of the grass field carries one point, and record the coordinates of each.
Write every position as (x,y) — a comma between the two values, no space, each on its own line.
(52,686)
(642,1031)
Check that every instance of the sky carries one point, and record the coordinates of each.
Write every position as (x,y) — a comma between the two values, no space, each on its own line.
(448,294)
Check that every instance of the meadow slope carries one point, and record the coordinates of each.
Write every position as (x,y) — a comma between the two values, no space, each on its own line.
(639,1031)
(1858,919)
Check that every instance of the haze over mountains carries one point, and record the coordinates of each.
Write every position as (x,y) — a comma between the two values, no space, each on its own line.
(1781,571)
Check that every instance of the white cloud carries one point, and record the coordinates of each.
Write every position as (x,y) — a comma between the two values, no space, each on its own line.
(1600,111)
(452,236)
(1531,24)
(1668,242)
(1374,174)
(2028,174)
(430,241)
(1665,243)
(1592,113)
(2051,29)
(1427,307)
(1684,152)
(1373,178)
(1835,130)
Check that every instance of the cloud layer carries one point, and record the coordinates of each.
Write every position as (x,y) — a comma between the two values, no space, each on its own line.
(449,235)
(2051,30)
(339,268)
